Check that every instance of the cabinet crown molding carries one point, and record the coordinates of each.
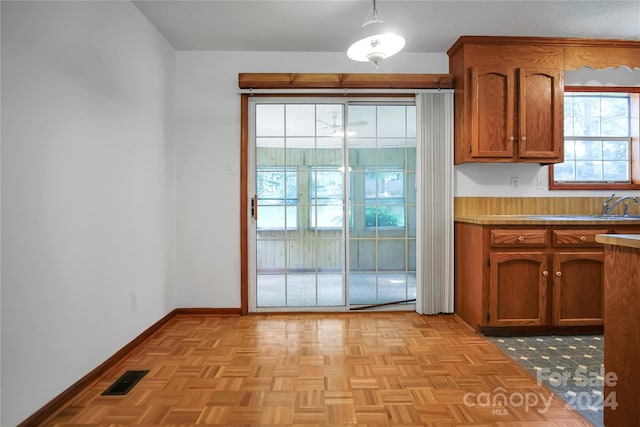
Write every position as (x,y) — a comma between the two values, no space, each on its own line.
(578,52)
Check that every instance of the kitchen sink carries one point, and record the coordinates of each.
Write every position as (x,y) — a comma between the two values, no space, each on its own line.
(578,217)
(600,216)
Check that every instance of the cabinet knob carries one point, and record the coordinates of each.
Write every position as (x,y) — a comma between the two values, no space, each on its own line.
(511,138)
(545,273)
(583,238)
(558,273)
(524,138)
(521,238)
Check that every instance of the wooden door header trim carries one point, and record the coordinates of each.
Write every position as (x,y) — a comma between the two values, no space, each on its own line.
(343,81)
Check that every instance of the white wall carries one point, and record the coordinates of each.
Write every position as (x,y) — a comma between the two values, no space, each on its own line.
(87,181)
(208,143)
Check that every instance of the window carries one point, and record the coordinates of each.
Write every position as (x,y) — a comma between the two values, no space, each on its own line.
(327,203)
(277,190)
(384,197)
(600,133)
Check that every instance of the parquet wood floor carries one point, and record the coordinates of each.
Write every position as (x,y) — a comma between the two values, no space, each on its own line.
(344,369)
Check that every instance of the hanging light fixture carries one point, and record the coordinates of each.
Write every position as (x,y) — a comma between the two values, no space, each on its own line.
(377,44)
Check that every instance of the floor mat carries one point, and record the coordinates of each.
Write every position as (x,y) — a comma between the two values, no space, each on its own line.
(571,366)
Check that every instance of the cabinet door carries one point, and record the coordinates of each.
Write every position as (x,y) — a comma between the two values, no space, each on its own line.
(540,114)
(578,295)
(518,288)
(492,112)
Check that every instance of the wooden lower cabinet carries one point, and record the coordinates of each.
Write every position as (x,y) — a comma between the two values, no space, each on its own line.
(578,280)
(537,278)
(517,288)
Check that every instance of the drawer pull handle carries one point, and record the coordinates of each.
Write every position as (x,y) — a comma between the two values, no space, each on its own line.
(558,273)
(521,238)
(583,238)
(545,273)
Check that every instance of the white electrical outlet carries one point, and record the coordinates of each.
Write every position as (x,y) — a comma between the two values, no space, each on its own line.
(539,183)
(514,182)
(134,300)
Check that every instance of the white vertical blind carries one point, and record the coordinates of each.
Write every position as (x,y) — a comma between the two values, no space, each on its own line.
(435,282)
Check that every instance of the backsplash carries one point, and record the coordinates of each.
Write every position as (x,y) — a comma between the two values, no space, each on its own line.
(533,205)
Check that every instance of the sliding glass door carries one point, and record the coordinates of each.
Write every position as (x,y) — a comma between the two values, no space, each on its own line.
(382,239)
(326,235)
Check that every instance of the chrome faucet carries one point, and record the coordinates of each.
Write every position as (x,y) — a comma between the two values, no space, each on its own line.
(609,204)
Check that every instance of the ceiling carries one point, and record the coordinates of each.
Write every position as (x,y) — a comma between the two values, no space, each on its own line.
(331,25)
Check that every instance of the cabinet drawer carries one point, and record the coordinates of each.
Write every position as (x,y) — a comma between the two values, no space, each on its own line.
(576,237)
(531,238)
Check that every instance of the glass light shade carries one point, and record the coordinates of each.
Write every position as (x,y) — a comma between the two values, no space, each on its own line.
(377,43)
(376,47)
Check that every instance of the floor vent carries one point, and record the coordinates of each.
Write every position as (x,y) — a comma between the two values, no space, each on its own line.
(124,383)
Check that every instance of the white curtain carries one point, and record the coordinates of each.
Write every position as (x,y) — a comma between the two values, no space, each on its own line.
(434,253)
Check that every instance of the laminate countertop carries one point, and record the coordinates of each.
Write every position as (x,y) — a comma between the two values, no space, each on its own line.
(627,240)
(533,219)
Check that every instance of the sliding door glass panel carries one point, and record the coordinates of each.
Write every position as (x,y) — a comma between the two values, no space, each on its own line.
(382,236)
(300,187)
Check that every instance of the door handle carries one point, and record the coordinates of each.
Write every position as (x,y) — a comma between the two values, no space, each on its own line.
(254,207)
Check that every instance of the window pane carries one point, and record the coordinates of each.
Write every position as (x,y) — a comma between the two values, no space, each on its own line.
(390,184)
(329,120)
(301,119)
(569,150)
(326,192)
(568,105)
(411,122)
(326,184)
(615,126)
(269,120)
(388,251)
(564,171)
(588,150)
(326,216)
(277,191)
(384,216)
(589,171)
(615,150)
(369,185)
(586,126)
(616,171)
(273,217)
(391,121)
(568,126)
(362,120)
(615,107)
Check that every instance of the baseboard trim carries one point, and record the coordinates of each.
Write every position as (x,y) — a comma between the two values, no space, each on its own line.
(58,403)
(208,311)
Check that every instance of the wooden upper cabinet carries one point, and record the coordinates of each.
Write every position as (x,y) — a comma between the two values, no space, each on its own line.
(540,114)
(516,115)
(492,113)
(508,102)
(513,87)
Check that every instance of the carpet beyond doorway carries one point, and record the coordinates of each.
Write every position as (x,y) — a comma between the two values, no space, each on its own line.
(571,366)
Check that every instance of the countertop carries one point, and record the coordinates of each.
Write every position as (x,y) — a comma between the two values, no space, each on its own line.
(525,219)
(627,240)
